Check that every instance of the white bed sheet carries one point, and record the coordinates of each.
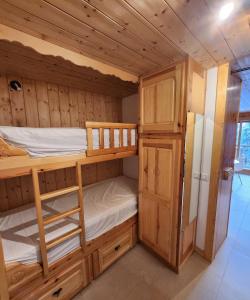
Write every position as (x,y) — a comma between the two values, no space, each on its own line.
(107,204)
(41,142)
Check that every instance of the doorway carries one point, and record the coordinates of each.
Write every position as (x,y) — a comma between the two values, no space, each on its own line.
(239,219)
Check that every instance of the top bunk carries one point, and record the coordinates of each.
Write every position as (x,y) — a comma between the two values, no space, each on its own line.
(23,148)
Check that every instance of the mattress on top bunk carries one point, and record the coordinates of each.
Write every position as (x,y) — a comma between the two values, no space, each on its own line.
(42,142)
(106,204)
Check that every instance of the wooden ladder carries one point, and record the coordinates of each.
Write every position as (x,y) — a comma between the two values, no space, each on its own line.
(43,221)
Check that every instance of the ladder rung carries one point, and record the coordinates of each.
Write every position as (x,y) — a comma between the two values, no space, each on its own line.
(62,215)
(63,237)
(60,192)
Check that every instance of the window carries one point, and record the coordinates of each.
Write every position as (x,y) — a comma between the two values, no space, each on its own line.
(243,144)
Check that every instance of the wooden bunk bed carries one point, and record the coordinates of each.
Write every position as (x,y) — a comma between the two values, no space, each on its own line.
(66,276)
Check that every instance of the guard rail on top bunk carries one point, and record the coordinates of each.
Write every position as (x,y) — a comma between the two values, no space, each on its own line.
(122,130)
(117,143)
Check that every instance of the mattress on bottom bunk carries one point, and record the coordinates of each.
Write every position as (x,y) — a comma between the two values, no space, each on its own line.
(41,142)
(106,204)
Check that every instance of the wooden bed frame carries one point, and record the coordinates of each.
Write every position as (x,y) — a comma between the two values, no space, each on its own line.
(35,280)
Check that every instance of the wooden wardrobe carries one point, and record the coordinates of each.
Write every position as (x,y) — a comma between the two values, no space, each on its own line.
(165,99)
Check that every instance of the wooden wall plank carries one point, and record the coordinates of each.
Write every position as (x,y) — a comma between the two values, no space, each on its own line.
(17,105)
(90,107)
(5,109)
(54,106)
(64,106)
(43,103)
(31,109)
(73,108)
(81,108)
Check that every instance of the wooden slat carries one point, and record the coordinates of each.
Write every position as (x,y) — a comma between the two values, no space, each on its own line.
(59,193)
(121,137)
(101,138)
(111,138)
(62,238)
(90,138)
(59,216)
(80,203)
(129,137)
(108,125)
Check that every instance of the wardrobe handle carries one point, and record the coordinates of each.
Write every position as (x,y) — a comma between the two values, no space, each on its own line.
(57,293)
(117,247)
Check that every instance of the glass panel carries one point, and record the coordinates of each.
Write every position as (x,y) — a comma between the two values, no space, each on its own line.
(244,151)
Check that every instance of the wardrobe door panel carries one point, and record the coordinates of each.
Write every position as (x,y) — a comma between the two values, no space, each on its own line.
(165,101)
(149,104)
(148,228)
(159,195)
(162,101)
(165,229)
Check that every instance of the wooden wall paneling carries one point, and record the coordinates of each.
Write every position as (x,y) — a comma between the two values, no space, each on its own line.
(54,105)
(17,105)
(5,108)
(89,174)
(73,108)
(82,108)
(109,108)
(31,109)
(14,192)
(27,189)
(43,103)
(90,107)
(99,108)
(64,106)
(57,70)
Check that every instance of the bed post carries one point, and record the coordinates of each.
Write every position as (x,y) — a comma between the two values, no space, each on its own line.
(4,294)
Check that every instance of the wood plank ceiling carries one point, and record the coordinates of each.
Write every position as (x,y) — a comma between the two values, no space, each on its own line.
(136,35)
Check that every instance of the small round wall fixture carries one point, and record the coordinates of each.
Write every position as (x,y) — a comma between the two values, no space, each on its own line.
(15,85)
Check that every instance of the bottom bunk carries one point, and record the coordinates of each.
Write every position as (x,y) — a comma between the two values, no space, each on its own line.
(110,209)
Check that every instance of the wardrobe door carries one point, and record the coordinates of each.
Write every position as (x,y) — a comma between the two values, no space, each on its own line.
(162,101)
(159,195)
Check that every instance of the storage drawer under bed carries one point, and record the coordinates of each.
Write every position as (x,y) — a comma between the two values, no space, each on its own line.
(112,250)
(61,287)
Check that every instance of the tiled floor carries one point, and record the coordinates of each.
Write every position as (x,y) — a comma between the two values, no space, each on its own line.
(140,275)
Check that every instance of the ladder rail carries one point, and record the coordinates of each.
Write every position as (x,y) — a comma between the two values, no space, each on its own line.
(39,213)
(80,203)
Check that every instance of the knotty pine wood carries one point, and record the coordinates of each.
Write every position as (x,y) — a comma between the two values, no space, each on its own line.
(45,104)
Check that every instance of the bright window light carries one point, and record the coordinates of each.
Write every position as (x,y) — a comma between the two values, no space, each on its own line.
(226,11)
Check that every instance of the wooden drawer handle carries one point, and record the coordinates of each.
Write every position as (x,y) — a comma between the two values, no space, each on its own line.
(57,293)
(117,247)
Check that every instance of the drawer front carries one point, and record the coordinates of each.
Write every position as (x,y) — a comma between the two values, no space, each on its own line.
(61,287)
(66,289)
(114,249)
